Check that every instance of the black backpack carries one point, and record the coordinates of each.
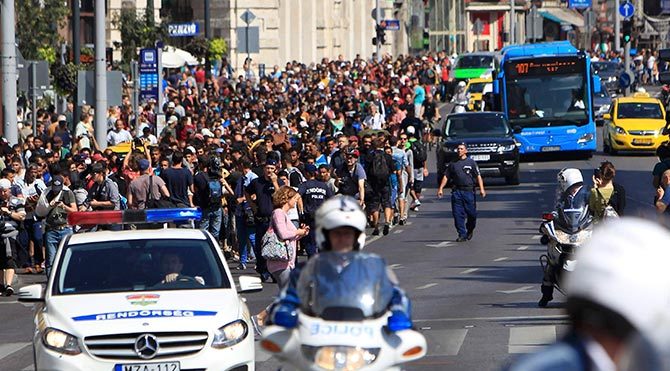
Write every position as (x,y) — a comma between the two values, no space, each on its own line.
(380,168)
(348,183)
(419,153)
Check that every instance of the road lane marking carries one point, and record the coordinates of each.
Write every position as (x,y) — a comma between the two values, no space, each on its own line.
(556,317)
(467,271)
(531,164)
(9,302)
(516,291)
(396,266)
(10,348)
(408,223)
(524,247)
(397,231)
(537,237)
(29,368)
(528,339)
(500,259)
(441,244)
(427,286)
(444,342)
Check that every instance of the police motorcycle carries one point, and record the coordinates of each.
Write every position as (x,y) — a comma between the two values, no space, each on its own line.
(564,230)
(344,322)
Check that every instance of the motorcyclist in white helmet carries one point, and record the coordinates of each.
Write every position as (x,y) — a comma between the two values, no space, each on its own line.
(618,290)
(340,229)
(570,187)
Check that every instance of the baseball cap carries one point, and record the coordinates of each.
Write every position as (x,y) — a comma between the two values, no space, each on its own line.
(143,164)
(171,105)
(98,157)
(311,168)
(354,152)
(172,119)
(5,184)
(57,183)
(97,168)
(271,161)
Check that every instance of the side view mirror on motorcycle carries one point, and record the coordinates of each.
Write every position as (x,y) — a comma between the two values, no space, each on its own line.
(544,239)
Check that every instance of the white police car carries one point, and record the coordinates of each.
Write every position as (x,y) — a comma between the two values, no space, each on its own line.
(142,300)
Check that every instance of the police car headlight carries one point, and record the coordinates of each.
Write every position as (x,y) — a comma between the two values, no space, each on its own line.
(506,148)
(230,334)
(60,341)
(340,357)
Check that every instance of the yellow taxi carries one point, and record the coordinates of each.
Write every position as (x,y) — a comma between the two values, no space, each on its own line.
(475,90)
(634,123)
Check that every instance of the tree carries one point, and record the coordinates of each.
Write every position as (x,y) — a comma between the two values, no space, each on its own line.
(137,31)
(217,49)
(37,22)
(198,47)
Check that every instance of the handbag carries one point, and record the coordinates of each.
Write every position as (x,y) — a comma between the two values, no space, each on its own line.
(274,249)
(152,203)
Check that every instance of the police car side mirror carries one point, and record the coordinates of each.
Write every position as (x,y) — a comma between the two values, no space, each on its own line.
(607,116)
(517,129)
(31,293)
(437,132)
(250,284)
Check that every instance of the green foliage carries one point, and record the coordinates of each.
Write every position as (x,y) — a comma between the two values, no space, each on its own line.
(137,31)
(47,53)
(36,26)
(65,77)
(217,49)
(198,47)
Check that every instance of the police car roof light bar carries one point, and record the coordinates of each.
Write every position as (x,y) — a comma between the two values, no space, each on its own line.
(134,216)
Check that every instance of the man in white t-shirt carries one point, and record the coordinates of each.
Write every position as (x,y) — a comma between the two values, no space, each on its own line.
(118,135)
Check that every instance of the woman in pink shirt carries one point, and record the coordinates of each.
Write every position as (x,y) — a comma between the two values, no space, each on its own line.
(283,200)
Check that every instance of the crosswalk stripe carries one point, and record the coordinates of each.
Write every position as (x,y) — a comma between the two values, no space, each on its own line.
(445,342)
(528,339)
(8,349)
(29,368)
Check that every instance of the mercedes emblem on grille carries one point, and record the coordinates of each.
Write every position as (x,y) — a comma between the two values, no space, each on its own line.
(146,346)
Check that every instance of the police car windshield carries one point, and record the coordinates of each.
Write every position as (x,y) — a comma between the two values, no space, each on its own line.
(476,125)
(138,265)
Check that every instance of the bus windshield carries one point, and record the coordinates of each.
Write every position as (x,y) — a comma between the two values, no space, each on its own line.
(547,100)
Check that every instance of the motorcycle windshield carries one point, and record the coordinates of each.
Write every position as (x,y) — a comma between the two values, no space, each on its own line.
(573,211)
(345,287)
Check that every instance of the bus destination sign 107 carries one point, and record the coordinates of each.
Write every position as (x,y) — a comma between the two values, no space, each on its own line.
(539,67)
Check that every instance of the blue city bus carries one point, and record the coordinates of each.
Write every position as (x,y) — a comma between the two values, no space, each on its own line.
(546,90)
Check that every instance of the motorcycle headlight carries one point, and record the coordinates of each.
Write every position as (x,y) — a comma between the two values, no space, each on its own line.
(585,138)
(506,148)
(230,334)
(340,357)
(619,130)
(60,341)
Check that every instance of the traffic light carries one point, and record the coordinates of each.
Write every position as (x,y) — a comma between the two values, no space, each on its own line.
(426,40)
(627,30)
(381,35)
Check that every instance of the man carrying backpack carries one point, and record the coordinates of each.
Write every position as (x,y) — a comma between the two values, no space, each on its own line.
(379,166)
(208,194)
(419,158)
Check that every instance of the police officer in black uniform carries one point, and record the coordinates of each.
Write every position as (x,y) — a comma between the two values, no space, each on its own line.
(464,176)
(313,192)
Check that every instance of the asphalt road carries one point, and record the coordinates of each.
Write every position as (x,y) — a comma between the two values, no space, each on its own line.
(474,301)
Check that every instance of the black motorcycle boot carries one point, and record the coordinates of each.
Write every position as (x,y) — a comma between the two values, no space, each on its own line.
(547,296)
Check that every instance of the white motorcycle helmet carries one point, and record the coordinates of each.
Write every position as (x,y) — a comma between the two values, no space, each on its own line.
(461,84)
(336,212)
(459,109)
(568,177)
(622,268)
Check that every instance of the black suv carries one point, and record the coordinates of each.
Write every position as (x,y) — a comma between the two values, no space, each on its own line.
(490,142)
